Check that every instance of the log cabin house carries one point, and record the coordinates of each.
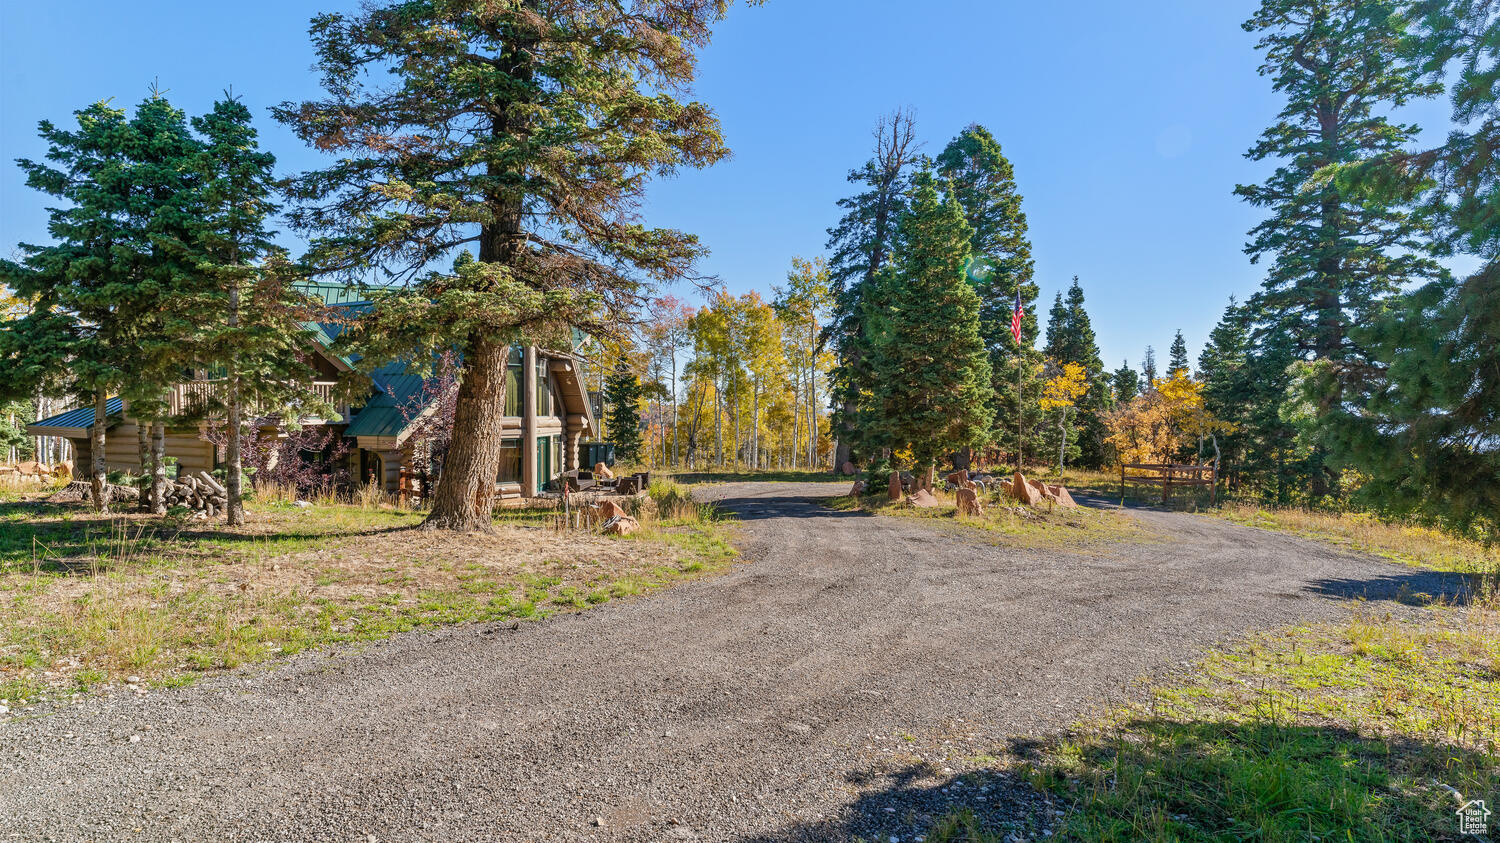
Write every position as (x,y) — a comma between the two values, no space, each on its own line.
(547,416)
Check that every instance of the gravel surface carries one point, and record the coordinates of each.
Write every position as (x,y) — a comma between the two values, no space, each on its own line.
(828,689)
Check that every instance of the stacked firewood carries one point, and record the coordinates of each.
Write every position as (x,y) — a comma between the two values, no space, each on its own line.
(199,492)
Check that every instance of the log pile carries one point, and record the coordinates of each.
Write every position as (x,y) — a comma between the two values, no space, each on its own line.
(199,492)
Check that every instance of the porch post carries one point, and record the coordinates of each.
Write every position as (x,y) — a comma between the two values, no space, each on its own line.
(574,435)
(530,487)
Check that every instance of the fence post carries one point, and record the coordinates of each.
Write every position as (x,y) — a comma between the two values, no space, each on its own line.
(1166,484)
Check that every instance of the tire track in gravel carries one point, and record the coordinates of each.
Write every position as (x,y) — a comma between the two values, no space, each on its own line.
(733,708)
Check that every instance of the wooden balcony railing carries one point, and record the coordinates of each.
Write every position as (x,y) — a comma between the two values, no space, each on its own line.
(194,397)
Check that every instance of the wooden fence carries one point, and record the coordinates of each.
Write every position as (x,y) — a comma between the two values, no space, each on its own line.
(1169,475)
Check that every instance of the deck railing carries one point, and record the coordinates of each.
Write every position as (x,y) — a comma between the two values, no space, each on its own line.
(193,397)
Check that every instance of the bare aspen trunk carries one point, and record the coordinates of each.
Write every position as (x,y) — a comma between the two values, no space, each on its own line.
(755,427)
(159,468)
(796,417)
(675,454)
(466,490)
(718,426)
(1062,435)
(98,463)
(812,399)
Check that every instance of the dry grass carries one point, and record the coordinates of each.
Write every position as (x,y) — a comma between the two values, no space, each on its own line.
(1405,543)
(85,599)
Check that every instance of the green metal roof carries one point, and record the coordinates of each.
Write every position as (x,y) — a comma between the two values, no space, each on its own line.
(83,417)
(337,294)
(382,415)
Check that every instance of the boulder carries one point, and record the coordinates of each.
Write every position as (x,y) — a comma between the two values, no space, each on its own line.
(1060,494)
(847,468)
(961,480)
(894,490)
(1023,491)
(624,525)
(1043,490)
(602,471)
(857,489)
(609,509)
(924,499)
(63,469)
(968,502)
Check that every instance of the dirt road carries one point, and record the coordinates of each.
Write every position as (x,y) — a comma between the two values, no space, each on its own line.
(742,707)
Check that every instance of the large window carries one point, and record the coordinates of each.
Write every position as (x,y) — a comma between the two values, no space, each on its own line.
(510,461)
(513,381)
(543,389)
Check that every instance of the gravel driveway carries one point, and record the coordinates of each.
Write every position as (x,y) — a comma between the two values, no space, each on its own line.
(764,704)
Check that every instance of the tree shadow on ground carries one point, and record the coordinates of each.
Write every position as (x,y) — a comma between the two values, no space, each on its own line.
(908,801)
(760,477)
(1413,588)
(759,509)
(66,538)
(1263,779)
(1162,779)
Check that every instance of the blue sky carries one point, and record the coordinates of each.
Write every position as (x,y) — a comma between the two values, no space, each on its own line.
(1126,123)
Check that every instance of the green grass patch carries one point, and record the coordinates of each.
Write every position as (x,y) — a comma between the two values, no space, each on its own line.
(1363,730)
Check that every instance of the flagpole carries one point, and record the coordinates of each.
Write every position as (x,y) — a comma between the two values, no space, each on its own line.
(1017,319)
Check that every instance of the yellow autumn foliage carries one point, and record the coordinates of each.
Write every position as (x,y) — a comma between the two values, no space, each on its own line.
(1164,420)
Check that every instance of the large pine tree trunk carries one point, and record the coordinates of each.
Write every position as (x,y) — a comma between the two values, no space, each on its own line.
(98,462)
(159,468)
(233,458)
(143,454)
(466,491)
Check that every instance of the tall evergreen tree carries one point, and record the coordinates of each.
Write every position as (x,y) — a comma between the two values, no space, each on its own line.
(100,290)
(1335,256)
(164,188)
(1057,329)
(1125,383)
(1228,386)
(1070,339)
(1425,426)
(1148,368)
(622,395)
(1177,356)
(528,129)
(246,311)
(984,183)
(933,375)
(861,244)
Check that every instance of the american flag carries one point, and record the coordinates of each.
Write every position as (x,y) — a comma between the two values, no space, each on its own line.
(1015,318)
